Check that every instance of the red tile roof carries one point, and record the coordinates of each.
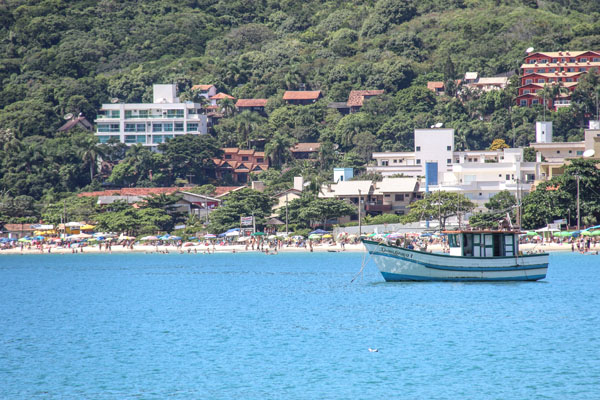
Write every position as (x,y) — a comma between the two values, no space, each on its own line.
(356,97)
(134,191)
(305,147)
(223,190)
(435,85)
(246,152)
(220,96)
(251,103)
(74,122)
(302,95)
(204,88)
(18,227)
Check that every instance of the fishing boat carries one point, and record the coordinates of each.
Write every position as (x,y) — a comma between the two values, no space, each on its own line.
(474,256)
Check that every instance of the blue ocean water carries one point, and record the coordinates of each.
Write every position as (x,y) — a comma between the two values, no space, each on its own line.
(290,326)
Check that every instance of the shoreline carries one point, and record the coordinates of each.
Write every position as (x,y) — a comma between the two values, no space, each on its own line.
(235,249)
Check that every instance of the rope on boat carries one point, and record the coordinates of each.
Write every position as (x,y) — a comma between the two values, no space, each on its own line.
(364,264)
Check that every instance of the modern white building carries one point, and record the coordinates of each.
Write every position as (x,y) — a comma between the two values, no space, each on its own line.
(478,174)
(150,123)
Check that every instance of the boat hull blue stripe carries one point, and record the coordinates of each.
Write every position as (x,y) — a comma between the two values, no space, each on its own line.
(473,269)
(389,277)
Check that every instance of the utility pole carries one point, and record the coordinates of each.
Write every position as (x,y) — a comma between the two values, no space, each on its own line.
(359,222)
(578,215)
(253,223)
(440,209)
(286,213)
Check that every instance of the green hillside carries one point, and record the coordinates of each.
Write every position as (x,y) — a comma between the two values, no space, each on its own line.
(61,57)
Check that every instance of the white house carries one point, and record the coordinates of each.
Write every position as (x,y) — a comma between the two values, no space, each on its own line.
(478,174)
(150,123)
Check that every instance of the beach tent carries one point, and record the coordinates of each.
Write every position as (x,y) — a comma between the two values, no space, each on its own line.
(318,232)
(149,238)
(232,233)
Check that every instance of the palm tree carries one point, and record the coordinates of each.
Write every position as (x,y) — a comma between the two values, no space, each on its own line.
(89,153)
(278,149)
(551,92)
(246,123)
(227,106)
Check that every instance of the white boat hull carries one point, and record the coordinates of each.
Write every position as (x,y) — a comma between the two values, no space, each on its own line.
(399,264)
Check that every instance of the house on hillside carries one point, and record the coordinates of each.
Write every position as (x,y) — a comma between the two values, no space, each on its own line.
(76,122)
(257,105)
(305,151)
(214,100)
(357,98)
(205,90)
(237,164)
(302,97)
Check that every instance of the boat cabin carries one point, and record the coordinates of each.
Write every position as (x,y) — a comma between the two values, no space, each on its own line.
(483,243)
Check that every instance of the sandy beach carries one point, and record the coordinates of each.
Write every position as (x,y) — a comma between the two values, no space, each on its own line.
(241,248)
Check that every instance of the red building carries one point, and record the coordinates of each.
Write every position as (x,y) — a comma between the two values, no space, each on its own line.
(564,68)
(237,164)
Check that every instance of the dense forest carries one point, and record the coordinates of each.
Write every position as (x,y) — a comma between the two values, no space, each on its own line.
(59,57)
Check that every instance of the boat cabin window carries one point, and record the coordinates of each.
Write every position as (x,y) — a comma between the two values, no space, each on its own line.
(485,244)
(453,241)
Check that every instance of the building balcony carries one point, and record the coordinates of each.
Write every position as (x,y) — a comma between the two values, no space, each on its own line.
(369,206)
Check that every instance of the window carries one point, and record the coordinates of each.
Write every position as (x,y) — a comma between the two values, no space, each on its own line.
(535,101)
(557,151)
(579,152)
(140,139)
(244,158)
(143,113)
(386,195)
(399,197)
(572,60)
(140,127)
(105,138)
(395,161)
(526,91)
(507,177)
(168,127)
(449,148)
(178,126)
(449,161)
(418,161)
(192,127)
(569,79)
(583,59)
(128,114)
(596,59)
(157,128)
(532,61)
(543,61)
(555,60)
(228,156)
(129,127)
(167,137)
(523,103)
(260,160)
(541,80)
(528,81)
(529,71)
(174,113)
(384,163)
(418,148)
(570,151)
(115,114)
(157,138)
(130,138)
(108,128)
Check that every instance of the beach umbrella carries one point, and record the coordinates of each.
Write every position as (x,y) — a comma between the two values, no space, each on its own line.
(532,233)
(318,232)
(586,233)
(370,234)
(175,238)
(314,236)
(24,239)
(298,237)
(327,236)
(232,233)
(210,236)
(258,234)
(188,244)
(149,238)
(39,237)
(271,237)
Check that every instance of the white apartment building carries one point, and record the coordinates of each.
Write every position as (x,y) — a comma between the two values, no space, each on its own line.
(478,174)
(150,123)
